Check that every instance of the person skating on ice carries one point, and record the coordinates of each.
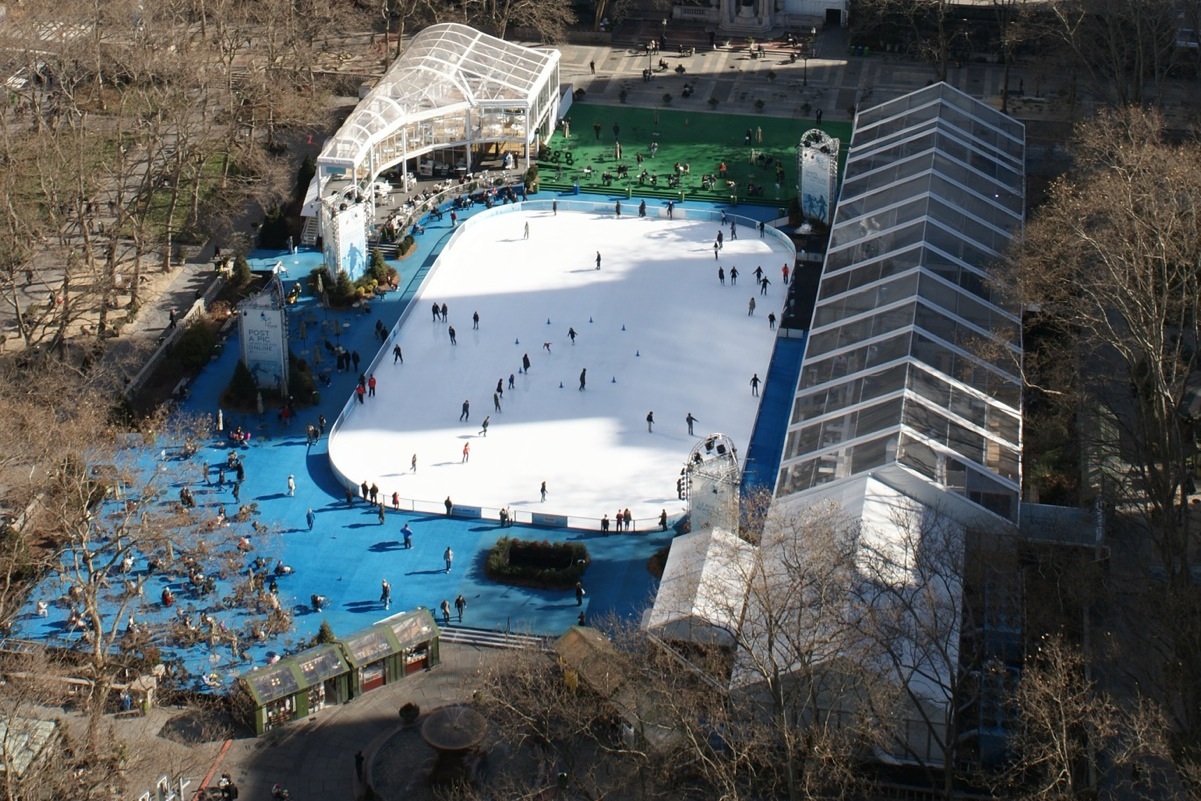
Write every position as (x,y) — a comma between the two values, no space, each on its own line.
(755,385)
(583,378)
(466,413)
(598,259)
(690,420)
(650,422)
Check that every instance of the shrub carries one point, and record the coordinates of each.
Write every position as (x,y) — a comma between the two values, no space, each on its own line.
(325,633)
(545,565)
(407,244)
(195,346)
(242,273)
(242,392)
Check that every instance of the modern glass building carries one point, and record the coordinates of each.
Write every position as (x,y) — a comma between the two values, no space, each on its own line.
(911,371)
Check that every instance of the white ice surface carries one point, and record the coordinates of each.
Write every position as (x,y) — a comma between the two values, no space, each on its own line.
(688,344)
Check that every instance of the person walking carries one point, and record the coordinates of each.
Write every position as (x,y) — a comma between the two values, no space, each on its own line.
(460,605)
(598,261)
(407,534)
(445,607)
(663,520)
(542,491)
(397,356)
(396,500)
(690,420)
(484,425)
(650,422)
(449,504)
(291,485)
(466,413)
(385,594)
(448,556)
(592,67)
(311,518)
(605,525)
(583,378)
(750,307)
(755,385)
(466,452)
(579,594)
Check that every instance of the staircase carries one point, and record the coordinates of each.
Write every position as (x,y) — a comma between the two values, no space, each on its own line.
(308,236)
(486,638)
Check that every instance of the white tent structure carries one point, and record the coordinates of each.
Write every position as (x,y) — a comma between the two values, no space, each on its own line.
(700,597)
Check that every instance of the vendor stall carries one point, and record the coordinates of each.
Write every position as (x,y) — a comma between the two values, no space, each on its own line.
(296,686)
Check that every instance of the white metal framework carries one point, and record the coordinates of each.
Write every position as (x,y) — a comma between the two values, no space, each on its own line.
(911,369)
(453,86)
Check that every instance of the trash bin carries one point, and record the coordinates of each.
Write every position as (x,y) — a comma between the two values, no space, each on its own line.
(576,188)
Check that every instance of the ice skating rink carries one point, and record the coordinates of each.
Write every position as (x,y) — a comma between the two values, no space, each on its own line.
(656,331)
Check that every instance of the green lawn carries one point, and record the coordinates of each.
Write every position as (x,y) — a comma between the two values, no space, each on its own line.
(701,139)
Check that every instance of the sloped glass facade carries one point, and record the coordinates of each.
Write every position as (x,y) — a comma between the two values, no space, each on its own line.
(913,359)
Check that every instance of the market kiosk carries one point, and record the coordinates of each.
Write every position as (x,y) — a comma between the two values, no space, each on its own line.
(296,686)
(391,649)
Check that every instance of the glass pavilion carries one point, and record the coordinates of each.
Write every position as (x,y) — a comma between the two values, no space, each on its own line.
(911,369)
(454,87)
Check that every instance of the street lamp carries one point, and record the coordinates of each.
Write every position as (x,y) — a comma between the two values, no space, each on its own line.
(805,68)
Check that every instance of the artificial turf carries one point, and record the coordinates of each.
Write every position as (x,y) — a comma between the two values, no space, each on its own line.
(702,139)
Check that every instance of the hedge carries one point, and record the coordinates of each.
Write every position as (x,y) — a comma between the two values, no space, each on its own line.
(544,565)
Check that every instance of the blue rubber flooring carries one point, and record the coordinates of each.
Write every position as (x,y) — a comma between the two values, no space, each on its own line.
(775,405)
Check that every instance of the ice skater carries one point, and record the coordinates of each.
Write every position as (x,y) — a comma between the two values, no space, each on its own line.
(764,283)
(733,276)
(496,401)
(617,209)
(690,420)
(720,240)
(721,275)
(527,231)
(475,321)
(413,464)
(542,491)
(755,385)
(500,387)
(525,362)
(546,346)
(598,259)
(733,230)
(554,208)
(650,422)
(512,381)
(571,335)
(771,321)
(716,248)
(583,378)
(784,274)
(466,452)
(750,307)
(466,414)
(451,331)
(397,356)
(758,274)
(484,426)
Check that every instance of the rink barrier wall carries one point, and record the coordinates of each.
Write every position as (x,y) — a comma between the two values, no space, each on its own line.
(656,208)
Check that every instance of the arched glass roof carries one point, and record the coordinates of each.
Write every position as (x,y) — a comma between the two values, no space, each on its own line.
(447,67)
